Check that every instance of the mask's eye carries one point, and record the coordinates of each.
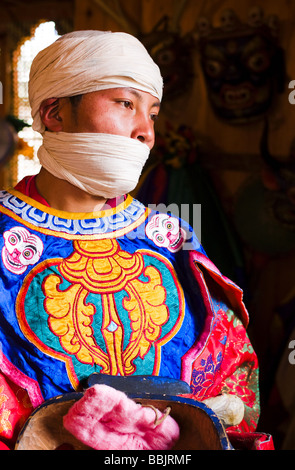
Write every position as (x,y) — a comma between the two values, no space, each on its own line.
(258,62)
(159,238)
(28,253)
(213,68)
(12,239)
(166,57)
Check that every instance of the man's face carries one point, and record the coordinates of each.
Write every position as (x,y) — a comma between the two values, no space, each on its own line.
(122,111)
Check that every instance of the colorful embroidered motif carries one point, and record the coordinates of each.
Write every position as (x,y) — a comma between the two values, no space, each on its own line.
(21,249)
(5,424)
(203,377)
(165,232)
(106,223)
(107,308)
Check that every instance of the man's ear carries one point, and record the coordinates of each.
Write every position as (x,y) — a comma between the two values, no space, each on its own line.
(49,114)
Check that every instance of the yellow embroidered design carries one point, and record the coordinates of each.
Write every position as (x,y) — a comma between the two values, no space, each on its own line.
(102,267)
(5,424)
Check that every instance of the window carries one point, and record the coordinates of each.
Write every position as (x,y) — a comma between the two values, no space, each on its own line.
(26,161)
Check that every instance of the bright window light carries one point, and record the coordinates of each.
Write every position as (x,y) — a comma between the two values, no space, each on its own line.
(44,35)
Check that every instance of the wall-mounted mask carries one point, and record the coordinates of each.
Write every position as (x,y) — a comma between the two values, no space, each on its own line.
(173,53)
(171,50)
(243,64)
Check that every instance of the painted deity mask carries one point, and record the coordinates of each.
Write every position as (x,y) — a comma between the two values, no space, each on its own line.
(243,67)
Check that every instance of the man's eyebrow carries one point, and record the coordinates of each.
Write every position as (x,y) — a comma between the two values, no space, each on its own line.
(138,95)
(156,104)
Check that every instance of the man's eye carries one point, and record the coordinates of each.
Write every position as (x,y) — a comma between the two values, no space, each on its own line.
(126,104)
(154,117)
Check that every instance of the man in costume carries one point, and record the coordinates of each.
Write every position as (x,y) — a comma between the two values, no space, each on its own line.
(90,279)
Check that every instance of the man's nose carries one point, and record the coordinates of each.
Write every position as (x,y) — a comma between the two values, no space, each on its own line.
(144,131)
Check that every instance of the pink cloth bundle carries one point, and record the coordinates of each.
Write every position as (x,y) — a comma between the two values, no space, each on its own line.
(106,419)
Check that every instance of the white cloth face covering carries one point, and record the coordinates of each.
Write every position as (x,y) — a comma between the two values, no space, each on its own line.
(103,165)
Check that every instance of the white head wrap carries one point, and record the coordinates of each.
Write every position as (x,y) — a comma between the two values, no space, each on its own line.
(85,61)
